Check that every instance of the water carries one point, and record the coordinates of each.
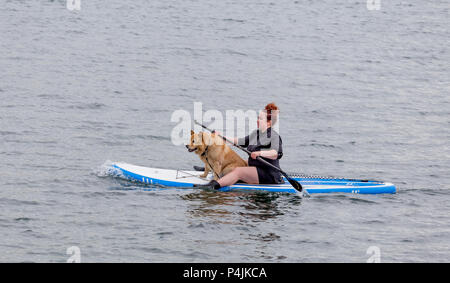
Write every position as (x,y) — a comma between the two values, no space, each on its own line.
(363,94)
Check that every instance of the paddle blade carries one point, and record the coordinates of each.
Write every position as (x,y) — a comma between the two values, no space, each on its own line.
(295,184)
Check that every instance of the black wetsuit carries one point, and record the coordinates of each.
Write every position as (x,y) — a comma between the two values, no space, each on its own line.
(258,141)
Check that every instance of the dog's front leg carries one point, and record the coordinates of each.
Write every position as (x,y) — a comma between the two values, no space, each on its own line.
(206,172)
(217,165)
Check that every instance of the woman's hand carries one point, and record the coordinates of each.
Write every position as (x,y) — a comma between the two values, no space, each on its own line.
(255,154)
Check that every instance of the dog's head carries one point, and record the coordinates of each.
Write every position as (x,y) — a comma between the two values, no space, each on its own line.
(197,142)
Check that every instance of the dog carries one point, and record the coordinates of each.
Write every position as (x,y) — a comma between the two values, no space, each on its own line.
(215,153)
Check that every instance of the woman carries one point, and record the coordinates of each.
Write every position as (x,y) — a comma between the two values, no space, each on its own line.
(264,142)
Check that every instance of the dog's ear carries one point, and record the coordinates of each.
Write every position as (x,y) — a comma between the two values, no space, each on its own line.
(192,132)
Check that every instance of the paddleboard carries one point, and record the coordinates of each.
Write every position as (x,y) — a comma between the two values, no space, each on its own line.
(313,185)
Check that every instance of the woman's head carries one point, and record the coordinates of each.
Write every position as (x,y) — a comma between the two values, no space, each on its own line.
(268,117)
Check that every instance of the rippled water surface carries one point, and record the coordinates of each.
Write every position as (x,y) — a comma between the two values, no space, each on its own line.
(363,94)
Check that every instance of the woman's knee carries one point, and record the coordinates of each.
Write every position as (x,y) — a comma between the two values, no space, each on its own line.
(237,171)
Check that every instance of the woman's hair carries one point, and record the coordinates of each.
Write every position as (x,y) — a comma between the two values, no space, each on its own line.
(272,112)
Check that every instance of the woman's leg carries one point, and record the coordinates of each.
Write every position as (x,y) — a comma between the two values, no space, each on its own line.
(245,174)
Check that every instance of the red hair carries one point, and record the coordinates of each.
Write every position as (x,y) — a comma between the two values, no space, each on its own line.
(272,112)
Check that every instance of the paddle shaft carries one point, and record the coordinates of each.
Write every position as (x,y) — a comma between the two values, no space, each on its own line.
(299,188)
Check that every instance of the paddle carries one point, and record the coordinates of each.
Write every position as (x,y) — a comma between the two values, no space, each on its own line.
(293,182)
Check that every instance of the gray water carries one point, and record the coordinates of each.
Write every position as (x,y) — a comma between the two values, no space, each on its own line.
(363,94)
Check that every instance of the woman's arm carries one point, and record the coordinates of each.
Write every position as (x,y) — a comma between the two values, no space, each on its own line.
(271,154)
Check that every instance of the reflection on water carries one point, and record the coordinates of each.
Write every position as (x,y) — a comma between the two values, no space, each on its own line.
(240,209)
(263,206)
(255,206)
